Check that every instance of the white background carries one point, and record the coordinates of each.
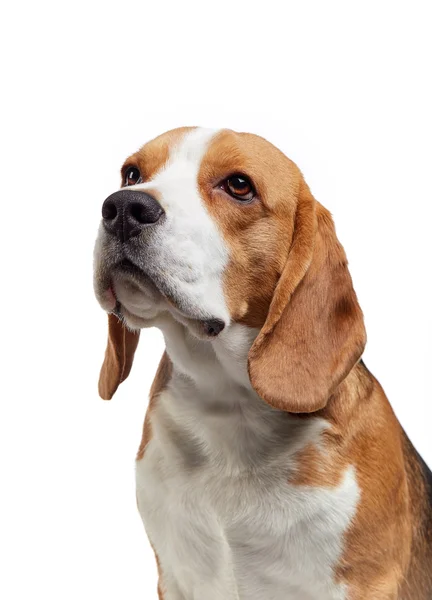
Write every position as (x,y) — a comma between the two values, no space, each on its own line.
(342,87)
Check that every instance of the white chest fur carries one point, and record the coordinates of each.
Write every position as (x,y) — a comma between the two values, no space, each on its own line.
(214,496)
(213,487)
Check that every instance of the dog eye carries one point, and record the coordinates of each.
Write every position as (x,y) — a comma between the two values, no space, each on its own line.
(132,176)
(240,187)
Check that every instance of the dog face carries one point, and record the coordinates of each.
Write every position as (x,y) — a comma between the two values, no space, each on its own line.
(211,228)
(201,231)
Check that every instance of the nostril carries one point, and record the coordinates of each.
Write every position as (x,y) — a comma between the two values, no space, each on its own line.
(138,212)
(145,212)
(109,210)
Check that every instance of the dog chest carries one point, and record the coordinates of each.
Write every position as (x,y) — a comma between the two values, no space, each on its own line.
(272,539)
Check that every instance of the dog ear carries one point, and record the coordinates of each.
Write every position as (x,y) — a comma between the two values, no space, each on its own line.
(314,332)
(119,355)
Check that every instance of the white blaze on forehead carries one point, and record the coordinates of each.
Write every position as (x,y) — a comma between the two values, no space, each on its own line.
(190,250)
(178,179)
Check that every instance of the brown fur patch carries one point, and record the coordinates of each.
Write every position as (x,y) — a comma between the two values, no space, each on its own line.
(258,234)
(287,275)
(386,554)
(150,159)
(417,583)
(378,542)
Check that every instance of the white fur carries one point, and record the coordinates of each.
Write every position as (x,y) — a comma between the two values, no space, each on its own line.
(213,487)
(186,253)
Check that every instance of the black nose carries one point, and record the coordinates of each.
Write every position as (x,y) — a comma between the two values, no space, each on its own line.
(127,212)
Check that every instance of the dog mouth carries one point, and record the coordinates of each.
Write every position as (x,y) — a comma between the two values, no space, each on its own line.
(128,266)
(205,328)
(129,271)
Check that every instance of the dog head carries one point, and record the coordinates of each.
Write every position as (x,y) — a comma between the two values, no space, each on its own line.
(215,228)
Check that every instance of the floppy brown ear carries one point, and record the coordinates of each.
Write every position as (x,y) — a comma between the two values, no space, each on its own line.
(314,332)
(119,355)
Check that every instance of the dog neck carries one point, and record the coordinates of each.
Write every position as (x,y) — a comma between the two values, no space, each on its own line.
(215,365)
(210,411)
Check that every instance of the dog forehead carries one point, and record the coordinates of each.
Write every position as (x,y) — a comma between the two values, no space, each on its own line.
(209,153)
(186,156)
(222,147)
(173,151)
(170,166)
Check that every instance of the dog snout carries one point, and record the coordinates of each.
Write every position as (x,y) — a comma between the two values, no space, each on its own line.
(127,212)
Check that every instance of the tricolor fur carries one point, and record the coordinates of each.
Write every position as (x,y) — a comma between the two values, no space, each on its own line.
(271,466)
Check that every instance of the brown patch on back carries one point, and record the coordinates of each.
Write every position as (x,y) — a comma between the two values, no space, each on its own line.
(418,581)
(377,545)
(386,554)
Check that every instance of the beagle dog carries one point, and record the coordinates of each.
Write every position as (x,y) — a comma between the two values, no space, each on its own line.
(271,466)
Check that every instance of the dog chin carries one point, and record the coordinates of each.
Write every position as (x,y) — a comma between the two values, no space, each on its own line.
(202,329)
(140,301)
(135,322)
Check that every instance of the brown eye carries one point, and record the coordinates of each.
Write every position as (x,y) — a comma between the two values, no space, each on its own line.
(240,187)
(132,176)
